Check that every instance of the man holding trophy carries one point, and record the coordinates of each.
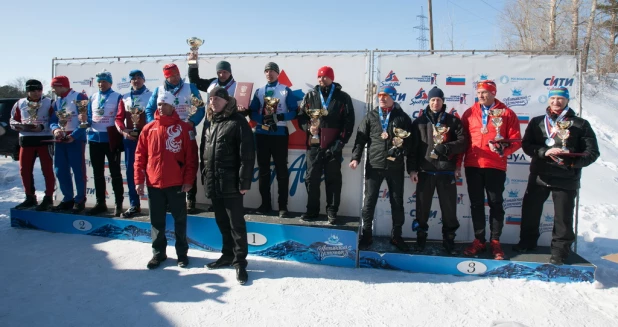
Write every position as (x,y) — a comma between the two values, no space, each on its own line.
(30,117)
(130,119)
(327,115)
(70,137)
(485,160)
(559,144)
(102,111)
(272,107)
(384,131)
(437,139)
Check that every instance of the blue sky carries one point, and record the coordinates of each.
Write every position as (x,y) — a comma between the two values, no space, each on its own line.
(37,30)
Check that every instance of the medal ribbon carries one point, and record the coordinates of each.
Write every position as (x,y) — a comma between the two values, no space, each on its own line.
(330,96)
(550,124)
(383,121)
(485,116)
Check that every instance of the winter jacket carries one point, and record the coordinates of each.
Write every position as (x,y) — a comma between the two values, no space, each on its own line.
(340,114)
(478,153)
(455,142)
(546,171)
(166,153)
(229,154)
(369,133)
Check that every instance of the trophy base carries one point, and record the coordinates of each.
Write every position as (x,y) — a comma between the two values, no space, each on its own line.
(391,158)
(134,133)
(266,127)
(192,62)
(433,156)
(315,140)
(83,125)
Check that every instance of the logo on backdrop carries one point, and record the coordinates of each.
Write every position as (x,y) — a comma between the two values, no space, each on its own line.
(333,248)
(517,159)
(420,98)
(124,84)
(504,79)
(431,78)
(459,80)
(558,81)
(391,79)
(512,219)
(85,82)
(547,224)
(463,98)
(460,199)
(452,98)
(513,200)
(516,99)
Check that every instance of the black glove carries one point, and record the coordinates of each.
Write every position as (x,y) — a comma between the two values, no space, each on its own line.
(395,152)
(268,120)
(280,117)
(336,147)
(442,150)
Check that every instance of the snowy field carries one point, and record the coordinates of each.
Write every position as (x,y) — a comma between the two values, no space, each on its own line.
(52,279)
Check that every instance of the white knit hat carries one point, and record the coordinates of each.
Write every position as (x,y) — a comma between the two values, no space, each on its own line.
(166,97)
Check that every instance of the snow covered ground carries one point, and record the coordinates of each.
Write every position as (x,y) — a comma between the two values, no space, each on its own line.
(52,279)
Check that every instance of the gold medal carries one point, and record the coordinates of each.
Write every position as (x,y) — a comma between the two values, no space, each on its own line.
(384,135)
(484,130)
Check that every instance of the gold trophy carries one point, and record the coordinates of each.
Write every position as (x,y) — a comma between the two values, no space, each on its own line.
(270,108)
(496,119)
(33,112)
(195,43)
(438,138)
(195,103)
(63,118)
(564,133)
(315,115)
(82,108)
(400,134)
(136,112)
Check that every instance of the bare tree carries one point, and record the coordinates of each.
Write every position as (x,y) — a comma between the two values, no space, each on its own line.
(586,51)
(575,26)
(552,24)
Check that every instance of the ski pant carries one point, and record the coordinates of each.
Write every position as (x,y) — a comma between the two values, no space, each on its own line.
(98,153)
(129,160)
(394,179)
(488,181)
(277,147)
(318,162)
(445,184)
(159,199)
(230,217)
(71,157)
(27,157)
(532,208)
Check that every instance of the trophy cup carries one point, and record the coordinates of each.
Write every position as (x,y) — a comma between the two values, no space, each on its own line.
(82,108)
(564,133)
(63,118)
(33,111)
(438,138)
(270,108)
(136,112)
(195,43)
(315,115)
(195,103)
(496,119)
(400,134)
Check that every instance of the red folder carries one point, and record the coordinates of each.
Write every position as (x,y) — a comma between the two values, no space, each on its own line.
(328,136)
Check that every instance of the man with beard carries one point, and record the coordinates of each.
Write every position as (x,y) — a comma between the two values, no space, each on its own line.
(229,157)
(376,130)
(334,130)
(552,170)
(433,168)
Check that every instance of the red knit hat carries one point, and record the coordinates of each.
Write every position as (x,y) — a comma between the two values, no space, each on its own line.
(61,81)
(326,71)
(170,70)
(487,85)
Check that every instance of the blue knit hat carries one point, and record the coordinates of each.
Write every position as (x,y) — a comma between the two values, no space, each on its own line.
(435,93)
(136,73)
(559,91)
(390,90)
(104,76)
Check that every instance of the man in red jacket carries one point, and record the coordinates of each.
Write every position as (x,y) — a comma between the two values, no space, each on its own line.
(485,164)
(166,158)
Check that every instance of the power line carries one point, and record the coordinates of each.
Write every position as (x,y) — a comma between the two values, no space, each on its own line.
(494,8)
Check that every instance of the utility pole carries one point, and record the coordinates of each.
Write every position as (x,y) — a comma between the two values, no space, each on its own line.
(430,28)
(422,39)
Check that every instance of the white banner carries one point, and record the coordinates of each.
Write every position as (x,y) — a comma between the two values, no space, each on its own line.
(522,84)
(298,71)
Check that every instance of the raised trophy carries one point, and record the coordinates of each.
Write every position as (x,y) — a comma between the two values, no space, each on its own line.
(33,111)
(136,112)
(195,103)
(195,43)
(315,115)
(82,108)
(496,119)
(564,133)
(400,134)
(270,108)
(438,138)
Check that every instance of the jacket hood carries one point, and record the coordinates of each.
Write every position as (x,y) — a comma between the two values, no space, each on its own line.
(230,108)
(167,120)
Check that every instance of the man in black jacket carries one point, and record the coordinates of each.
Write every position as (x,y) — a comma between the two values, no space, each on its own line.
(555,170)
(433,167)
(224,79)
(332,134)
(376,130)
(229,156)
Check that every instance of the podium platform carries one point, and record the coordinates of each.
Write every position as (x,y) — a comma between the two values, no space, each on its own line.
(317,243)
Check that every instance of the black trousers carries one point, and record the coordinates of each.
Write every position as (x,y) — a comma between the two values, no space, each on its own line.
(532,208)
(488,181)
(158,201)
(318,162)
(230,217)
(394,180)
(447,196)
(275,146)
(98,153)
(193,191)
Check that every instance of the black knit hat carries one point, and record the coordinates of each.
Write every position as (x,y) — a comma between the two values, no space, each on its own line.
(219,92)
(224,65)
(33,85)
(272,66)
(435,93)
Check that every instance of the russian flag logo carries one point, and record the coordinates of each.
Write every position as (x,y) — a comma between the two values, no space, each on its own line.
(459,181)
(523,119)
(510,220)
(455,80)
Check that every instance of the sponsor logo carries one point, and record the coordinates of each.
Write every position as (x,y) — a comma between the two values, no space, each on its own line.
(513,200)
(460,199)
(547,224)
(459,181)
(124,83)
(515,181)
(85,82)
(543,99)
(463,98)
(523,118)
(516,99)
(512,219)
(430,78)
(452,98)
(333,248)
(558,81)
(518,159)
(383,195)
(504,79)
(400,97)
(391,79)
(412,199)
(513,193)
(432,214)
(420,98)
(455,80)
